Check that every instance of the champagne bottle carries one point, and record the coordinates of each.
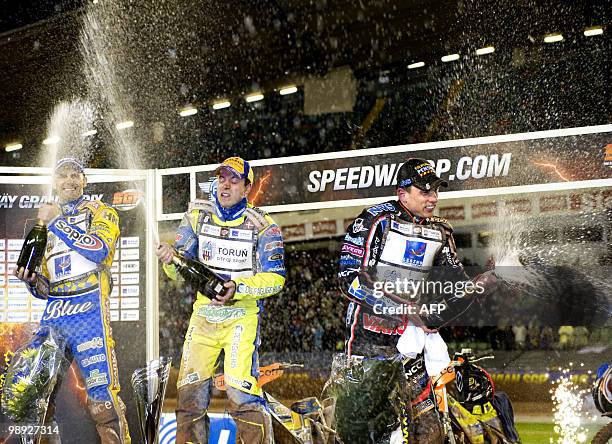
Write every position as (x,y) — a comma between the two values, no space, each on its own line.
(33,247)
(199,275)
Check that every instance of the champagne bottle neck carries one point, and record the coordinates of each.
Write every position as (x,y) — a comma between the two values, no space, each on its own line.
(178,260)
(41,223)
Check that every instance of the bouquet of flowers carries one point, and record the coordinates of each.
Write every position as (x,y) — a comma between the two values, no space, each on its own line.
(31,377)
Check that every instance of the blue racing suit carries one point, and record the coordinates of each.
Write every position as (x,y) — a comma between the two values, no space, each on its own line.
(75,280)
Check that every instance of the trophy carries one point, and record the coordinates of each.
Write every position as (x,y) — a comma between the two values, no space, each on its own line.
(149,384)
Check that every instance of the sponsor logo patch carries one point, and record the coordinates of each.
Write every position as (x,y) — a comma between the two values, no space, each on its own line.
(81,240)
(357,251)
(60,308)
(358,226)
(432,234)
(377,209)
(414,252)
(189,379)
(245,289)
(208,250)
(216,315)
(239,382)
(270,246)
(403,228)
(63,266)
(277,257)
(273,231)
(86,362)
(211,230)
(355,290)
(96,342)
(347,259)
(96,379)
(235,233)
(354,240)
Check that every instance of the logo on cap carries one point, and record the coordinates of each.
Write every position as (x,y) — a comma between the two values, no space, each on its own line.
(239,167)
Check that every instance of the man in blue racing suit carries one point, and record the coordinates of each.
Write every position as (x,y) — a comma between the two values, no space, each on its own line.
(75,280)
(243,245)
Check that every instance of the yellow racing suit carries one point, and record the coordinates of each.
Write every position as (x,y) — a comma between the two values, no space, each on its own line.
(247,249)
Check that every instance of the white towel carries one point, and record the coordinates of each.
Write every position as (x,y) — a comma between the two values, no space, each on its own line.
(414,341)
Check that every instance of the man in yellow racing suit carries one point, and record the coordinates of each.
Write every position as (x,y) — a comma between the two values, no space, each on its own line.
(244,246)
(75,280)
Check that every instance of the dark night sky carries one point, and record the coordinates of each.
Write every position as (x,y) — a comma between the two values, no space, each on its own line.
(18,13)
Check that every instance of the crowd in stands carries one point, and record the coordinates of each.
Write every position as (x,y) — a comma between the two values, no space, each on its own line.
(505,95)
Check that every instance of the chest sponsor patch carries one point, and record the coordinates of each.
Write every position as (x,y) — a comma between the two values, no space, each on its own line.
(414,253)
(84,241)
(63,266)
(236,233)
(432,234)
(402,228)
(211,230)
(76,220)
(208,250)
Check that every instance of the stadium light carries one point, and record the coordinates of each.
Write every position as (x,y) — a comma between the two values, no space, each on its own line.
(416,65)
(450,57)
(221,104)
(13,147)
(188,111)
(485,50)
(254,97)
(125,124)
(289,89)
(52,140)
(92,132)
(593,30)
(552,38)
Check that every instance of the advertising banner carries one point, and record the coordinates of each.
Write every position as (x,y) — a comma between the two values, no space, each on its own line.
(352,175)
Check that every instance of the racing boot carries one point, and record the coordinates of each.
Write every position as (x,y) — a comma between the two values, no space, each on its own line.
(253,423)
(192,422)
(110,421)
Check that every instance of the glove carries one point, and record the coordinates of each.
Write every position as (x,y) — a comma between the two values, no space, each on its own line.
(488,281)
